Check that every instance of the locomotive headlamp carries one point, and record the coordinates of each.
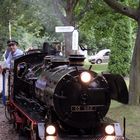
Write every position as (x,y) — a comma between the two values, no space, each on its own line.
(85,77)
(50,130)
(51,138)
(110,138)
(109,129)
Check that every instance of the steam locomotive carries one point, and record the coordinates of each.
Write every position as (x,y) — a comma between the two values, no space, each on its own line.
(56,98)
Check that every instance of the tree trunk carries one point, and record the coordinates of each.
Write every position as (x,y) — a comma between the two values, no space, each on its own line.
(134,88)
(68,43)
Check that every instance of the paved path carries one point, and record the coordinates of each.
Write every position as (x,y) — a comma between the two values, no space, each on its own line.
(7,132)
(6,129)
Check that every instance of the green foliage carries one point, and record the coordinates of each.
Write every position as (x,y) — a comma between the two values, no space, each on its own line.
(97,27)
(28,21)
(33,22)
(121,47)
(10,11)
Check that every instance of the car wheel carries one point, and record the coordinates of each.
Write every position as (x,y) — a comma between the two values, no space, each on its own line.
(99,61)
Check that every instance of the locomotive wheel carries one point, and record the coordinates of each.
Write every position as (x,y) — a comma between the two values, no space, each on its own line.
(8,113)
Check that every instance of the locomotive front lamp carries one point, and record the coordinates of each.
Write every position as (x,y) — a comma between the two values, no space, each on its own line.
(109,129)
(51,138)
(85,77)
(50,130)
(110,138)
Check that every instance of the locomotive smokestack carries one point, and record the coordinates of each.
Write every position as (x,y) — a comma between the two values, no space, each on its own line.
(76,60)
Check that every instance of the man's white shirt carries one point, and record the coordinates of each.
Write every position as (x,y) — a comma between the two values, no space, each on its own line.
(12,57)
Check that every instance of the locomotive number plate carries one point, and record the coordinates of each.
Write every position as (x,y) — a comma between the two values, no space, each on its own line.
(84,108)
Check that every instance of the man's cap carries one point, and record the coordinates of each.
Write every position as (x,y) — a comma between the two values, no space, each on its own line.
(12,42)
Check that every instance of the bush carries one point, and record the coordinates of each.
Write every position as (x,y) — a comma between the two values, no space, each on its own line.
(121,48)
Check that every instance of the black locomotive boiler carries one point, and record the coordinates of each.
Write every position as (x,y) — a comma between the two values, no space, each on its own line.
(54,98)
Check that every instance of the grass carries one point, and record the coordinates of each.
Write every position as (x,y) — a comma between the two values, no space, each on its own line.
(97,67)
(132,114)
(118,111)
(102,68)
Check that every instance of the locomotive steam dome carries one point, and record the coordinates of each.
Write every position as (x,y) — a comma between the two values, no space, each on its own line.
(76,103)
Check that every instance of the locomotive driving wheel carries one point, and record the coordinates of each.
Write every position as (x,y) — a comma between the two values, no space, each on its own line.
(10,117)
(8,112)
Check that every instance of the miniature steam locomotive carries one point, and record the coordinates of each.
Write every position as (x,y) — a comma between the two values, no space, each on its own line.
(54,98)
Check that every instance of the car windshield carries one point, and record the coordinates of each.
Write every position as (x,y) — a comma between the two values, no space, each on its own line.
(102,52)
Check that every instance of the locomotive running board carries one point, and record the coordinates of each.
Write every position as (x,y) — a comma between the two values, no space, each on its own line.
(118,87)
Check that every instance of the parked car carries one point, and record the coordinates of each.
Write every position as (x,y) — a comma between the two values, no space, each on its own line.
(101,57)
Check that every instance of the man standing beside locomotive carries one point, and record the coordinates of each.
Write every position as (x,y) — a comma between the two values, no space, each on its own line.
(13,54)
(10,55)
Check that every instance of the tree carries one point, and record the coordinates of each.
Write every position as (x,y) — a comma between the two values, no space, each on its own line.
(26,28)
(108,31)
(10,11)
(121,46)
(97,29)
(70,12)
(134,91)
